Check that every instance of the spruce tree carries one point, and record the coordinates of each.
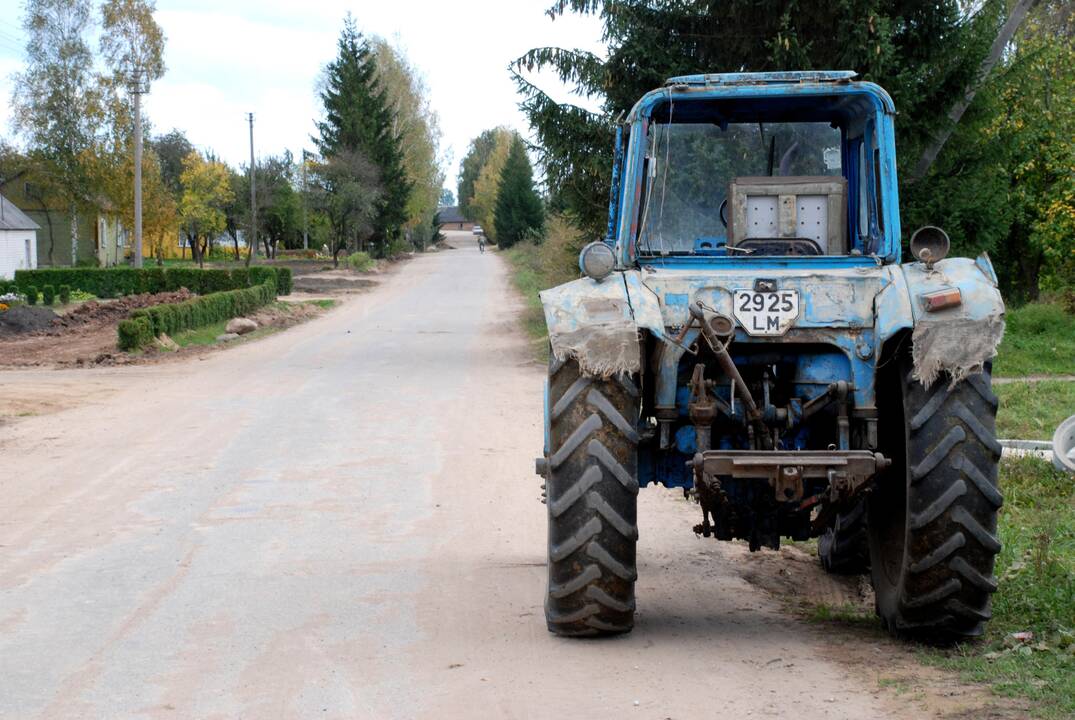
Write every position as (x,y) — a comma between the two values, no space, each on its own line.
(358,119)
(519,211)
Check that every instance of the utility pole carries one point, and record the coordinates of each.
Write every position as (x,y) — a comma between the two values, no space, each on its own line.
(137,90)
(305,226)
(253,241)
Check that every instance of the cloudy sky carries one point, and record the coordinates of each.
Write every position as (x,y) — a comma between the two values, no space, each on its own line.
(229,57)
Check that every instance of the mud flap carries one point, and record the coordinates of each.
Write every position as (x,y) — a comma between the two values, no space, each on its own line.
(959,347)
(597,323)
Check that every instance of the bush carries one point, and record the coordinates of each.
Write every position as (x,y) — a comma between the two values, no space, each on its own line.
(48,295)
(31,294)
(360,261)
(280,275)
(119,281)
(134,333)
(65,294)
(147,323)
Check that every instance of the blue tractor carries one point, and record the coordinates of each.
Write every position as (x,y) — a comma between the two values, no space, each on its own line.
(748,333)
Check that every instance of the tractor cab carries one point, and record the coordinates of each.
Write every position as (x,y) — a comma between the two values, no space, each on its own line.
(759,165)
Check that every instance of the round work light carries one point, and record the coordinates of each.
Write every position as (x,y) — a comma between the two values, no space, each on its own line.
(597,261)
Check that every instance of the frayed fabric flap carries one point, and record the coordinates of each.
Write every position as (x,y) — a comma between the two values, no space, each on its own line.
(958,347)
(600,350)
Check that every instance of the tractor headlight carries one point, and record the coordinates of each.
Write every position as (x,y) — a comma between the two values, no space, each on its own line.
(930,245)
(597,260)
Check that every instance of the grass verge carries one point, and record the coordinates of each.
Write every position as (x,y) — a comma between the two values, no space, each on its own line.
(207,335)
(1029,647)
(528,278)
(538,266)
(1039,339)
(1032,410)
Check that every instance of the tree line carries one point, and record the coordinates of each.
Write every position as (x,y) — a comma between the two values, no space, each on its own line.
(373,183)
(496,188)
(985,93)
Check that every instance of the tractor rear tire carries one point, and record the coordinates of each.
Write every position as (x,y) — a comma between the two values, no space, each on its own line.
(592,490)
(932,517)
(844,548)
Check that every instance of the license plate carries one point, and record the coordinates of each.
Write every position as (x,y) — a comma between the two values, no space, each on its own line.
(766,313)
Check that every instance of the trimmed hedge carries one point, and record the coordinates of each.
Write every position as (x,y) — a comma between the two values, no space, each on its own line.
(119,281)
(145,324)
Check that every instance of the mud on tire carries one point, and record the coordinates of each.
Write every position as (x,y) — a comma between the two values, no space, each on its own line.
(933,517)
(844,548)
(592,502)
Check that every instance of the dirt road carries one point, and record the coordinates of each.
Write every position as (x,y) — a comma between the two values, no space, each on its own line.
(342,521)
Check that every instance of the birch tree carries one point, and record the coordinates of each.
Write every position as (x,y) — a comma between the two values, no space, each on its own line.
(56,104)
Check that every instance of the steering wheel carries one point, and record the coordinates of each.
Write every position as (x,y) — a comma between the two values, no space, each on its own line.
(724,212)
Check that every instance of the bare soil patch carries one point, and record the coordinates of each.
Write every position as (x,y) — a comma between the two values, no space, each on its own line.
(333,281)
(841,609)
(86,336)
(25,318)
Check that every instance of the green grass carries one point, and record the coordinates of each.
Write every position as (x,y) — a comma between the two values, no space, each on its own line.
(1032,410)
(1036,571)
(1039,340)
(200,336)
(323,304)
(840,614)
(529,279)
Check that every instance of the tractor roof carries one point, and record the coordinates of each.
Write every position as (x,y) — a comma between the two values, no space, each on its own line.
(747,97)
(782,77)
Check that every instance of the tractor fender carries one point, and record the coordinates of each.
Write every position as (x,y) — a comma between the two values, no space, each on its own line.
(956,340)
(596,322)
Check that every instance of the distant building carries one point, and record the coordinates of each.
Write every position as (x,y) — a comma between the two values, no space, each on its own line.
(452,219)
(18,240)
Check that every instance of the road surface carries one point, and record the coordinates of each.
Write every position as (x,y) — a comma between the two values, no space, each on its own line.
(342,521)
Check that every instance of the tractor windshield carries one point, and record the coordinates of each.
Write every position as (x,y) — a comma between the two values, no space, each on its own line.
(723,189)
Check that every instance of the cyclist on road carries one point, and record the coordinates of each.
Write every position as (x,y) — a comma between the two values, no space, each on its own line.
(481,243)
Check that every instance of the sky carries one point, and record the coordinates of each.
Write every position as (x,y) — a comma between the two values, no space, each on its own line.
(226,58)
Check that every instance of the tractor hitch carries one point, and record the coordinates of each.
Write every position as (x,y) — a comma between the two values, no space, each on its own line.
(845,471)
(761,495)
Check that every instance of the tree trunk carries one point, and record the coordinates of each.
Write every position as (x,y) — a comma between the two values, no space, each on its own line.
(955,114)
(235,242)
(74,235)
(1029,268)
(52,237)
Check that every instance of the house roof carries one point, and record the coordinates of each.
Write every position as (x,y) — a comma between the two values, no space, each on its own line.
(451,214)
(11,218)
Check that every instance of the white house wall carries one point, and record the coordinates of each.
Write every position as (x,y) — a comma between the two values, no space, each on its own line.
(13,251)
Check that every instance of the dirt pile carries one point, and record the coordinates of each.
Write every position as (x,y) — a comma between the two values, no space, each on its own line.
(97,313)
(24,319)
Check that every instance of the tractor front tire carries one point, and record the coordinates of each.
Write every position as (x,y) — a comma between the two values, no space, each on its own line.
(932,517)
(592,491)
(844,548)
